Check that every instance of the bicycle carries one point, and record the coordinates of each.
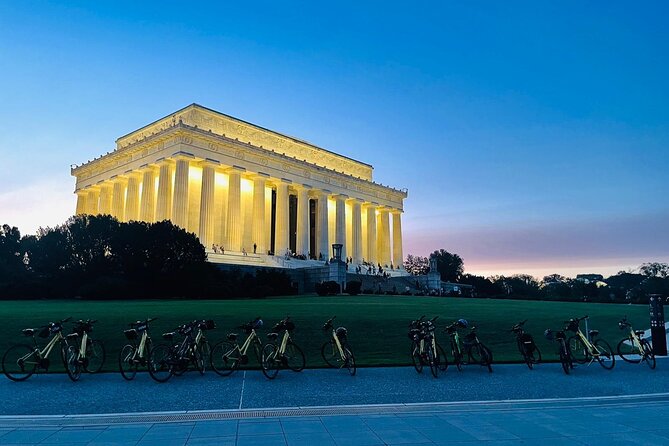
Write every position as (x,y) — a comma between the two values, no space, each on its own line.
(526,346)
(424,347)
(582,350)
(226,356)
(454,339)
(134,355)
(563,350)
(172,359)
(88,356)
(336,352)
(476,351)
(21,361)
(281,354)
(634,348)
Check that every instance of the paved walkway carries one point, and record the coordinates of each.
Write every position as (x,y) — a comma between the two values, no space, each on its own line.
(628,420)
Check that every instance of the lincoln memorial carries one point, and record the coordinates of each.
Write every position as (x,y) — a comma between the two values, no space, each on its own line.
(236,185)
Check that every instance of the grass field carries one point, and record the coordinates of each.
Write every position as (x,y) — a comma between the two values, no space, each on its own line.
(377,324)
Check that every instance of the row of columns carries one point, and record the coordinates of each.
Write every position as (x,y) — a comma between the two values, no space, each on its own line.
(122,199)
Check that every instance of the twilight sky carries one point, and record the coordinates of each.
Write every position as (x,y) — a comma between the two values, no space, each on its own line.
(533,137)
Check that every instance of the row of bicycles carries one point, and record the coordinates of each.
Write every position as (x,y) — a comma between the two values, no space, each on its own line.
(185,348)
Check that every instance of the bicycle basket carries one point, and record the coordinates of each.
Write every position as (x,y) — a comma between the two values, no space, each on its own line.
(470,338)
(572,325)
(141,327)
(258,323)
(284,325)
(44,332)
(131,334)
(341,333)
(208,325)
(560,335)
(413,333)
(549,334)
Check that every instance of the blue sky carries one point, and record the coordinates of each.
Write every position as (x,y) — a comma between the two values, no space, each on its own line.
(532,136)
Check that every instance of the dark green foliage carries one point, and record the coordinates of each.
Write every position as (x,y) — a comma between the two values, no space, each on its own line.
(328,288)
(353,287)
(450,266)
(98,257)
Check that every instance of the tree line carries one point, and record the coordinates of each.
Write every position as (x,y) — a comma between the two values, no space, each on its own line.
(98,257)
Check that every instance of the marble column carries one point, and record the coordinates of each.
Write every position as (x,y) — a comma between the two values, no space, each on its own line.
(118,198)
(322,226)
(258,229)
(302,245)
(164,199)
(81,202)
(180,208)
(234,219)
(147,204)
(105,199)
(282,219)
(132,198)
(206,227)
(398,259)
(383,238)
(371,234)
(92,201)
(356,228)
(340,223)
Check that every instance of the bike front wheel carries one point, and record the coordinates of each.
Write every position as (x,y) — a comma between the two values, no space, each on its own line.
(95,356)
(270,363)
(161,363)
(578,351)
(349,361)
(225,357)
(330,354)
(72,363)
(565,358)
(442,359)
(628,351)
(415,357)
(433,362)
(127,363)
(19,362)
(295,359)
(648,354)
(606,358)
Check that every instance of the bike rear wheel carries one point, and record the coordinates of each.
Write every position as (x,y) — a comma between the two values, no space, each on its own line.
(432,362)
(628,351)
(415,357)
(578,351)
(225,358)
(127,364)
(457,357)
(269,362)
(161,362)
(72,363)
(295,359)
(442,359)
(648,354)
(349,361)
(606,358)
(330,354)
(19,362)
(95,356)
(565,358)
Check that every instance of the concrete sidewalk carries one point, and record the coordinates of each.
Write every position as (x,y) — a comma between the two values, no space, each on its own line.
(629,420)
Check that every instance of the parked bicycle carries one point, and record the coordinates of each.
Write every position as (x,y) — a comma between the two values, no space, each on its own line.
(563,348)
(583,350)
(83,352)
(634,348)
(526,346)
(21,361)
(424,347)
(135,354)
(454,339)
(336,351)
(227,356)
(285,353)
(173,358)
(476,351)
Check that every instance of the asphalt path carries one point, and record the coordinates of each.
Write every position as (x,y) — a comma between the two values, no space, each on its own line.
(55,394)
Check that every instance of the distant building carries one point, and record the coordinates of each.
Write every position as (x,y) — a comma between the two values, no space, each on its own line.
(587,278)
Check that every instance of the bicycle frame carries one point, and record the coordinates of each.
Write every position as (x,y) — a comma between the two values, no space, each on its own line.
(82,347)
(284,343)
(635,340)
(592,349)
(253,336)
(46,351)
(338,344)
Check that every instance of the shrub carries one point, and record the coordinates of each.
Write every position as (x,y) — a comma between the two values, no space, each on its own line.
(353,287)
(328,288)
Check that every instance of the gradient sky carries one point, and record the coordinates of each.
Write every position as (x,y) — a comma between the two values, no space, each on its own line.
(533,137)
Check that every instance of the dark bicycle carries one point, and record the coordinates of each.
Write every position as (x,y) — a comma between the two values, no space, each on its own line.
(425,350)
(454,339)
(526,346)
(476,351)
(83,352)
(564,353)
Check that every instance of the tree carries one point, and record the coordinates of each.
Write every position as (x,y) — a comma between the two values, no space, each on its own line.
(655,269)
(417,265)
(450,266)
(554,278)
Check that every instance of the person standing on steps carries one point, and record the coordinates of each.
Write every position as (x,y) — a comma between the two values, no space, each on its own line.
(254,248)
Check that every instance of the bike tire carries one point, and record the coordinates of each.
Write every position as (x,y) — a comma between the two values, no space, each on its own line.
(349,361)
(95,355)
(330,354)
(432,362)
(649,354)
(269,363)
(72,363)
(565,359)
(161,358)
(442,359)
(628,351)
(14,367)
(225,357)
(524,353)
(414,352)
(486,357)
(295,359)
(127,365)
(606,358)
(204,349)
(577,350)
(457,358)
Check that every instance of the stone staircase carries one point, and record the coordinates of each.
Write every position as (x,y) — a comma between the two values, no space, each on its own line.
(238,258)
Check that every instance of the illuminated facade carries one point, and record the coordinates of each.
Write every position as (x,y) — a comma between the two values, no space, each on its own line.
(236,185)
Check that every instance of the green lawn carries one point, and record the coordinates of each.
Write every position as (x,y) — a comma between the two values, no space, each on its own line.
(377,324)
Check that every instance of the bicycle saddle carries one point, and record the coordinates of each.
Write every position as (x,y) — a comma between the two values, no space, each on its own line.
(169,335)
(232,336)
(28,332)
(639,333)
(273,336)
(72,336)
(593,332)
